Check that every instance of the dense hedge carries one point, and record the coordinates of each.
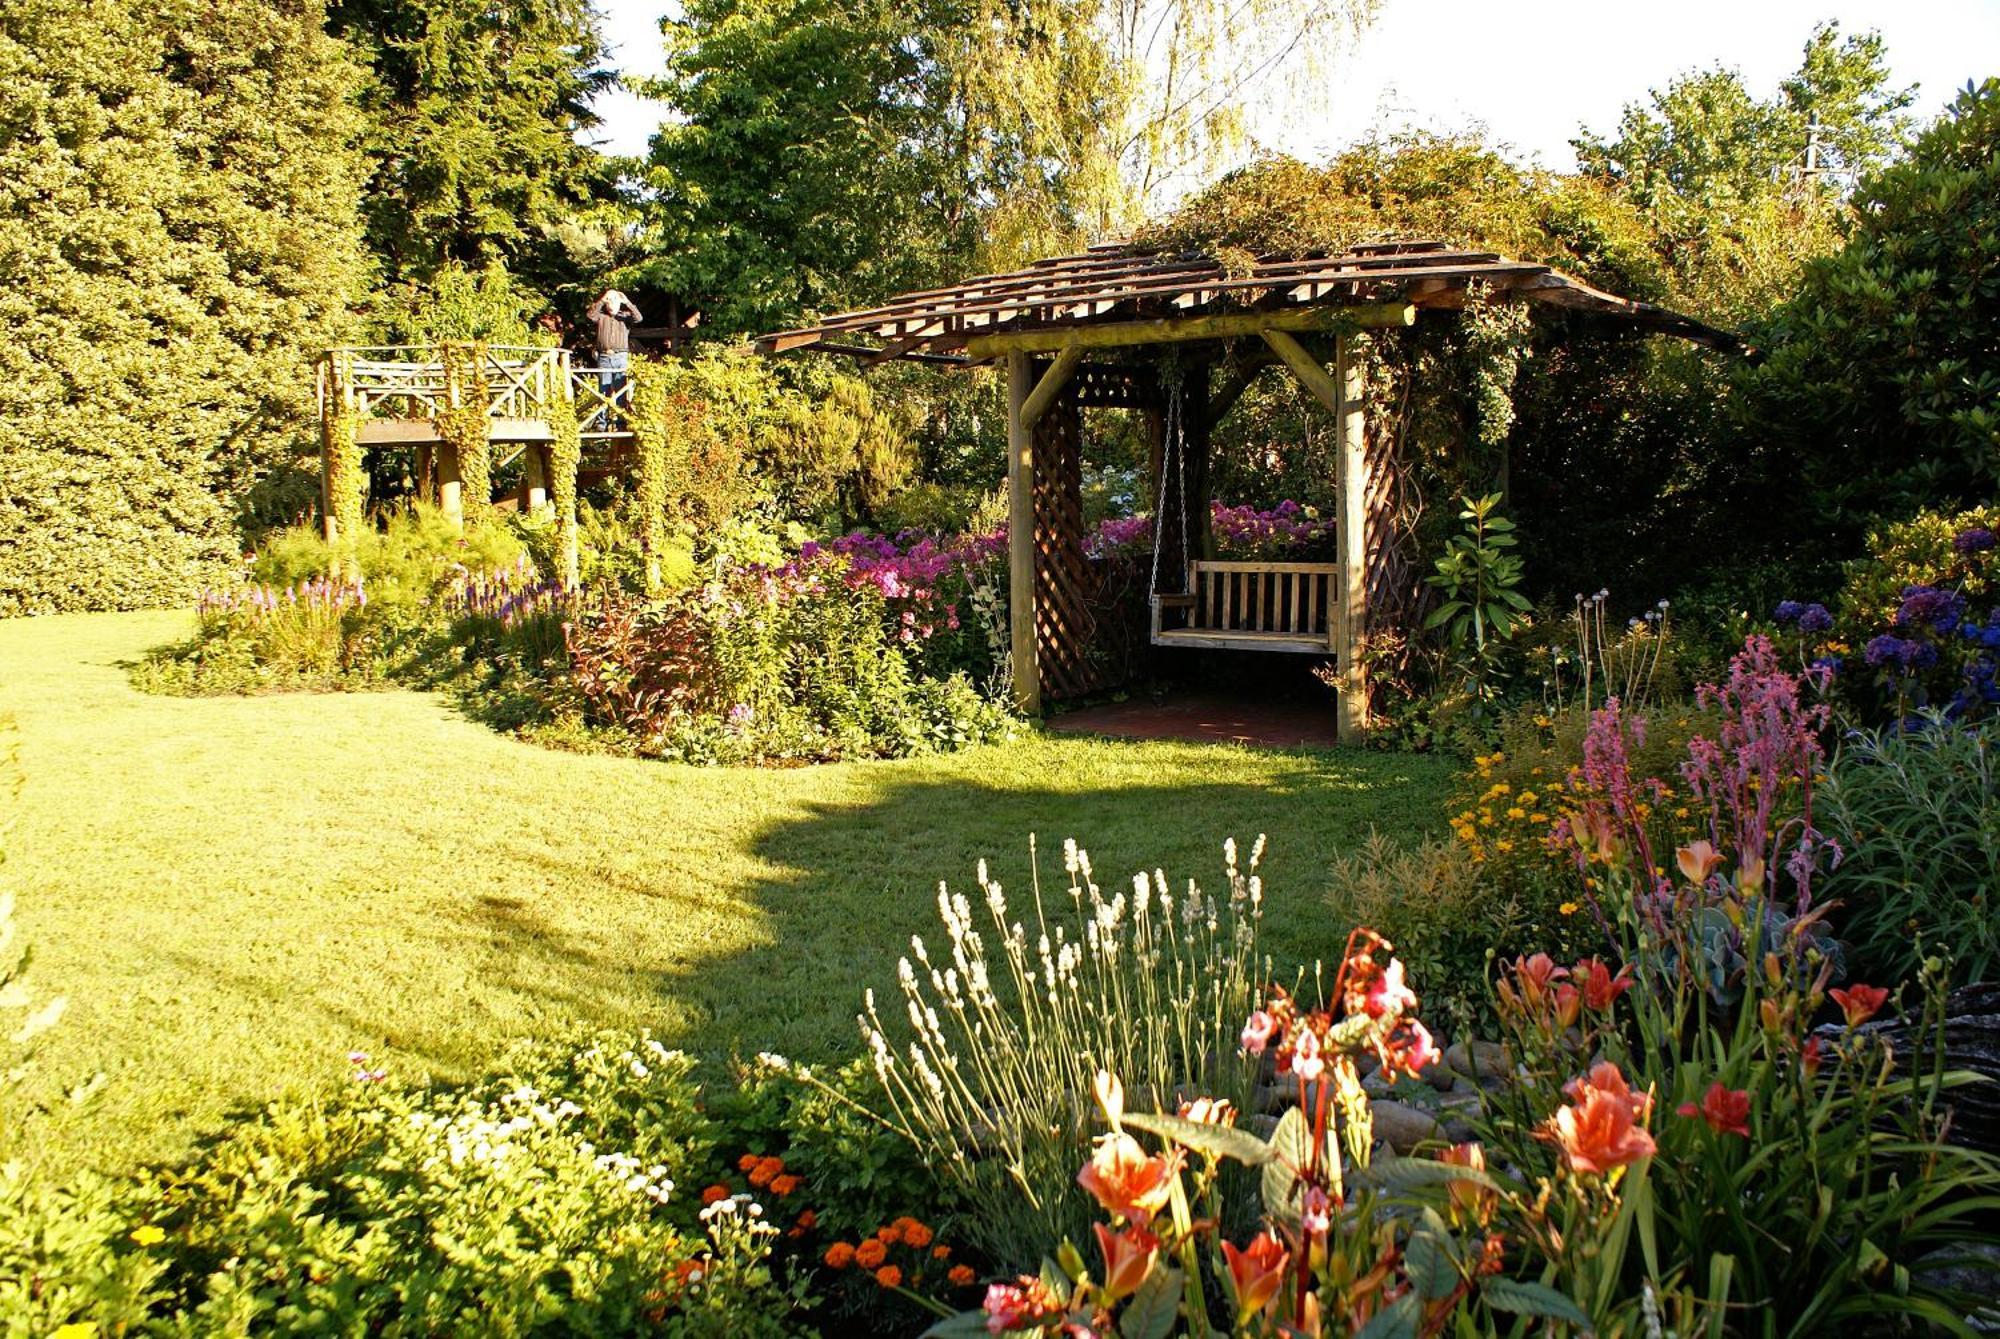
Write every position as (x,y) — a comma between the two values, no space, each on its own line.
(177,233)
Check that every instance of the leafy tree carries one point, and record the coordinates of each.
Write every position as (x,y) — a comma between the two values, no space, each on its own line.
(826,152)
(475,110)
(1742,191)
(177,235)
(1879,389)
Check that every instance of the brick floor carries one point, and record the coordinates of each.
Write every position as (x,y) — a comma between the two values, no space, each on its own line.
(1208,717)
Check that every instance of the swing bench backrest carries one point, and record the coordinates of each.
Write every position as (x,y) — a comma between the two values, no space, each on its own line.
(1252,606)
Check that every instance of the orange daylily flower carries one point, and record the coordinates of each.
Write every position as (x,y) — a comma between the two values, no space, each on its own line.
(1467,1197)
(1128,1258)
(1126,1181)
(1209,1111)
(1257,1271)
(1601,1131)
(1600,988)
(1860,1003)
(1727,1110)
(1698,860)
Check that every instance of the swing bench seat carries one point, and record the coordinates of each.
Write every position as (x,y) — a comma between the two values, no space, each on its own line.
(1251,606)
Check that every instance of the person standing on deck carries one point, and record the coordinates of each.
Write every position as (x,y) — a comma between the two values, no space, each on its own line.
(612,317)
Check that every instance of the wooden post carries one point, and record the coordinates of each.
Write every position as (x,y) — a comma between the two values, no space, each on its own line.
(451,497)
(329,386)
(1021,536)
(1352,719)
(534,477)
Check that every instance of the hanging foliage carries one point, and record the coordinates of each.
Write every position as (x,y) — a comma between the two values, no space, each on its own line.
(463,424)
(1493,338)
(565,457)
(649,474)
(346,481)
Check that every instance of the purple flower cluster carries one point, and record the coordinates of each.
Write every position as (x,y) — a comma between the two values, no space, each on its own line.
(508,595)
(1974,539)
(320,595)
(1810,617)
(1929,607)
(1890,651)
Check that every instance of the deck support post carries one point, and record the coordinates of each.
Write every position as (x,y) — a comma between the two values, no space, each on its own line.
(450,493)
(1352,720)
(534,478)
(1021,536)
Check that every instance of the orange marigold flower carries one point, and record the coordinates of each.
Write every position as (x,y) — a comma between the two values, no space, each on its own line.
(915,1233)
(841,1254)
(785,1184)
(809,1219)
(889,1233)
(714,1193)
(940,1252)
(747,1162)
(889,1276)
(870,1253)
(1601,1131)
(960,1275)
(1860,1003)
(766,1169)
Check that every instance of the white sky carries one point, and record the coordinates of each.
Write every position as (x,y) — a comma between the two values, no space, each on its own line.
(1530,72)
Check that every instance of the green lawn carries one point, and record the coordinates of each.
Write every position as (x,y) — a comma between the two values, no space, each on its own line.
(234,893)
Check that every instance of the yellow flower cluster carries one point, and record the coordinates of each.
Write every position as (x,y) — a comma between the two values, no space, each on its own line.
(1501,819)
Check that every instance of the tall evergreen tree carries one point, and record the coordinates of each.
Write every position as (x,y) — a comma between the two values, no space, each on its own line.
(177,236)
(474,111)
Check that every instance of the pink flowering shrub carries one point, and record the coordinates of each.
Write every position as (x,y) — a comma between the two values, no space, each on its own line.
(1288,531)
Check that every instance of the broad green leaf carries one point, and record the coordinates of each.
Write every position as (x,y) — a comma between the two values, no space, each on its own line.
(1154,1307)
(1429,1267)
(1532,1299)
(1399,1174)
(1217,1141)
(1287,1152)
(964,1325)
(1398,1320)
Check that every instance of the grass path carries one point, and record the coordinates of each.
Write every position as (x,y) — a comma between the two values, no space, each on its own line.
(235,892)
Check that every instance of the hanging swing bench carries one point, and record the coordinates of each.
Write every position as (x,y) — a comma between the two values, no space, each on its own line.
(1099,329)
(1230,605)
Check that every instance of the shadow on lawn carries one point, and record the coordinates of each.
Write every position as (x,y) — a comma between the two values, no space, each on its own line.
(853,881)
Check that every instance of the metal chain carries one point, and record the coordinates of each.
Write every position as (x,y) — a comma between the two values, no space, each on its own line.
(1173,453)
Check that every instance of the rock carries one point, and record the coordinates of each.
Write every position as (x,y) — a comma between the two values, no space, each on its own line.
(1971,1041)
(1484,1062)
(1402,1126)
(1272,1099)
(1969,1267)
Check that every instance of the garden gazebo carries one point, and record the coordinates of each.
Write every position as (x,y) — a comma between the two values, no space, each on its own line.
(1123,326)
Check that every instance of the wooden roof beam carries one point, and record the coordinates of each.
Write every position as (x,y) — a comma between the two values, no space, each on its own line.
(1229,325)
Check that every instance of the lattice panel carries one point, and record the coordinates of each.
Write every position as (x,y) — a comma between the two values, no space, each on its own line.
(1064,580)
(1116,386)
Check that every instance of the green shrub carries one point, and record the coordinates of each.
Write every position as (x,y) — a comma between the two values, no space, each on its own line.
(561,1194)
(1918,813)
(1918,552)
(1451,919)
(767,667)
